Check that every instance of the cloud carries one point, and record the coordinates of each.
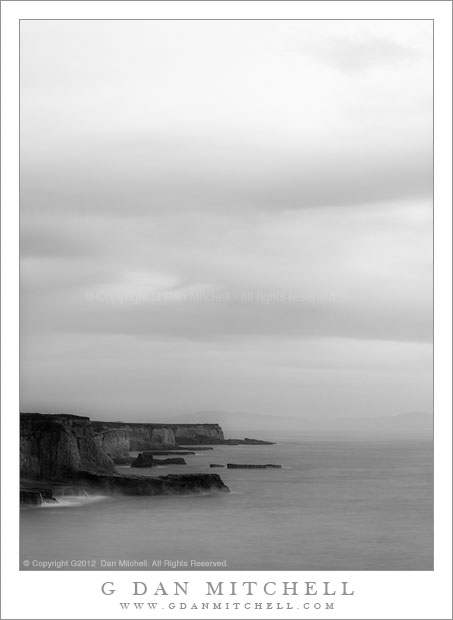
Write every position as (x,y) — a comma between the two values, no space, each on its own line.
(202,230)
(340,271)
(362,55)
(140,379)
(141,178)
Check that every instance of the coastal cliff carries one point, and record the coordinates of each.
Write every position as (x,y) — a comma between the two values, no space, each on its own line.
(56,447)
(116,444)
(192,434)
(67,450)
(147,436)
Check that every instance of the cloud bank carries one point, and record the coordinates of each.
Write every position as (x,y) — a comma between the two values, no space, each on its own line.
(226,216)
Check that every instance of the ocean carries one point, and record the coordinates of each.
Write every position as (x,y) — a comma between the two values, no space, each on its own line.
(334,505)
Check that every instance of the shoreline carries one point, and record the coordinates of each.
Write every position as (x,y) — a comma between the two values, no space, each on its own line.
(62,453)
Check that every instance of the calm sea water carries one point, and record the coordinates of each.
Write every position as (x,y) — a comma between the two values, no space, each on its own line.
(334,506)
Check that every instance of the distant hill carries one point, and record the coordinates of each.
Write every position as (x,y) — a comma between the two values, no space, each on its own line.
(405,425)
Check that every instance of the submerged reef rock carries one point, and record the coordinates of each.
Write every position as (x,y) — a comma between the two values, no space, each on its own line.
(248,442)
(251,466)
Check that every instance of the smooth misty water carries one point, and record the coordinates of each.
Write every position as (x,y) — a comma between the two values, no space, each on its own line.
(334,506)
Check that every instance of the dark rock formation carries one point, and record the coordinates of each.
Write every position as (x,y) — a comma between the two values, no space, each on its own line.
(258,442)
(89,482)
(36,496)
(116,444)
(216,465)
(56,447)
(248,442)
(250,466)
(172,484)
(146,459)
(175,461)
(170,452)
(30,497)
(124,461)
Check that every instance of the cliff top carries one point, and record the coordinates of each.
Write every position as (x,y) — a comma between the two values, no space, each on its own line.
(157,424)
(54,416)
(69,416)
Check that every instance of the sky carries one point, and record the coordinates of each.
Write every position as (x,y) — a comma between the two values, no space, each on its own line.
(226,220)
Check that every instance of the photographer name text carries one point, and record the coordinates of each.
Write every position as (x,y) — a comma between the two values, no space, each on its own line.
(210,590)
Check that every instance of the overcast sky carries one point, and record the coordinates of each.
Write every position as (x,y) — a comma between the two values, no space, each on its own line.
(226,220)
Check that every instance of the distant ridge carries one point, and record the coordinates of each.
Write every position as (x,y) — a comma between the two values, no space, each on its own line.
(410,426)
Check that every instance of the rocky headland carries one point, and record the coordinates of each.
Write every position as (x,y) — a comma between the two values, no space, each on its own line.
(60,452)
(151,436)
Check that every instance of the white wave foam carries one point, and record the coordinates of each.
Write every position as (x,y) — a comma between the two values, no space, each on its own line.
(70,501)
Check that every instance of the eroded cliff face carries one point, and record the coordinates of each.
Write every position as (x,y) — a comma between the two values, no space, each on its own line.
(115,443)
(163,436)
(192,434)
(65,451)
(148,436)
(140,436)
(56,447)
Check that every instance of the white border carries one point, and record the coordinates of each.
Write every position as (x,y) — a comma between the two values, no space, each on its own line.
(77,594)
